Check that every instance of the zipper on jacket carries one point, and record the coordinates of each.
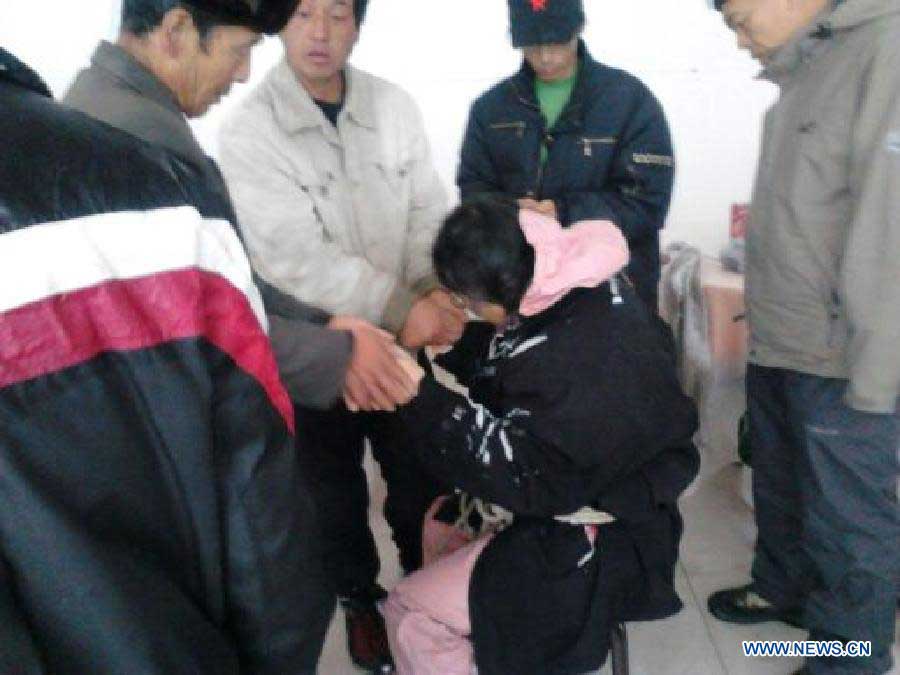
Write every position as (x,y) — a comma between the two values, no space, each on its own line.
(518,126)
(615,292)
(539,188)
(588,143)
(528,104)
(836,329)
(546,141)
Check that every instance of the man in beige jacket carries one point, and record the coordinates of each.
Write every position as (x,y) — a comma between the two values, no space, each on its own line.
(339,202)
(823,296)
(173,60)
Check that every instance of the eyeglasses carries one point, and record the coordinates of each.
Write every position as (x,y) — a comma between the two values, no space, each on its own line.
(458,300)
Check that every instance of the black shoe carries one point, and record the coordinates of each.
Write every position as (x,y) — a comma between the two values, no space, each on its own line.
(367,640)
(744,605)
(802,671)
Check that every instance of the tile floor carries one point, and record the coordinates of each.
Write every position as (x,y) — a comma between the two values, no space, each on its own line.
(716,553)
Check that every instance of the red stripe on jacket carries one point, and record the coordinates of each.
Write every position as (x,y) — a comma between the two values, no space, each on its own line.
(68,329)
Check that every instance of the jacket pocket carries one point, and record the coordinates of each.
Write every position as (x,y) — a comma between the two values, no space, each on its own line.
(517,127)
(590,145)
(397,178)
(320,191)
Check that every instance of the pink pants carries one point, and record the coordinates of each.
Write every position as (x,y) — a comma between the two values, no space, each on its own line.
(427,616)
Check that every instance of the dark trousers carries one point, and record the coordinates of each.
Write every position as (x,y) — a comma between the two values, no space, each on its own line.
(825,493)
(331,446)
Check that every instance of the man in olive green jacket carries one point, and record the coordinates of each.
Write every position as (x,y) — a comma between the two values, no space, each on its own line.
(823,297)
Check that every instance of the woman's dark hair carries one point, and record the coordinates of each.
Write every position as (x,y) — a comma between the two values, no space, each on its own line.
(481,252)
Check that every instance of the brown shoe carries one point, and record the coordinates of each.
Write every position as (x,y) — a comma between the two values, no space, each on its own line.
(366,635)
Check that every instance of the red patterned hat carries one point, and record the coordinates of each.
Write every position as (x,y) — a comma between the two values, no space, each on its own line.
(544,22)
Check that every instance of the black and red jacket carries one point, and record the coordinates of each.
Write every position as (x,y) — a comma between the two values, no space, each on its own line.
(152,515)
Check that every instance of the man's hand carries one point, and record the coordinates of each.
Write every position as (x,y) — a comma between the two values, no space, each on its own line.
(546,207)
(353,323)
(376,379)
(433,320)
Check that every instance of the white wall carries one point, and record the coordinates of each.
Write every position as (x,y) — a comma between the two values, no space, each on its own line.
(446,53)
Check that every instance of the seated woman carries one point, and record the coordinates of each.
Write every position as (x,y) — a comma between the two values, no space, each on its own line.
(574,424)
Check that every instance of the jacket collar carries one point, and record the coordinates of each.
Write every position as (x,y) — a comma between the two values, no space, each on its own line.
(123,67)
(296,110)
(850,15)
(13,70)
(522,88)
(808,44)
(520,327)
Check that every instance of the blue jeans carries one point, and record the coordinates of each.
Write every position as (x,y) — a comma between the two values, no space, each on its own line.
(825,492)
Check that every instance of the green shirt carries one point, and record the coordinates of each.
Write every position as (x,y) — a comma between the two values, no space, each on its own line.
(553,97)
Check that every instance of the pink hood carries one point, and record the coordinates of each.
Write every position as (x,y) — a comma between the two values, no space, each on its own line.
(581,256)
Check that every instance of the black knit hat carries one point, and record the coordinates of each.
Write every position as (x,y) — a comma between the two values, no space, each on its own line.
(262,16)
(544,22)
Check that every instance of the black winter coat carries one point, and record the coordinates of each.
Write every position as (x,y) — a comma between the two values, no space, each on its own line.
(577,406)
(609,157)
(153,518)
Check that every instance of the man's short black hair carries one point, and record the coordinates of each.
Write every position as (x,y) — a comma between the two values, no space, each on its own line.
(481,252)
(719,4)
(140,17)
(359,11)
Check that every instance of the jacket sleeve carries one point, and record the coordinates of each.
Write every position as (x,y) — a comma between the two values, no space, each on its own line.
(493,457)
(287,239)
(638,189)
(563,437)
(476,173)
(870,275)
(277,598)
(464,359)
(312,360)
(427,208)
(662,481)
(281,304)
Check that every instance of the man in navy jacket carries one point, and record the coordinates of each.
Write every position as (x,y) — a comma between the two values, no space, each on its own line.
(602,153)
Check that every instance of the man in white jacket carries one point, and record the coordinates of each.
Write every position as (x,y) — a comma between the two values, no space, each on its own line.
(331,175)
